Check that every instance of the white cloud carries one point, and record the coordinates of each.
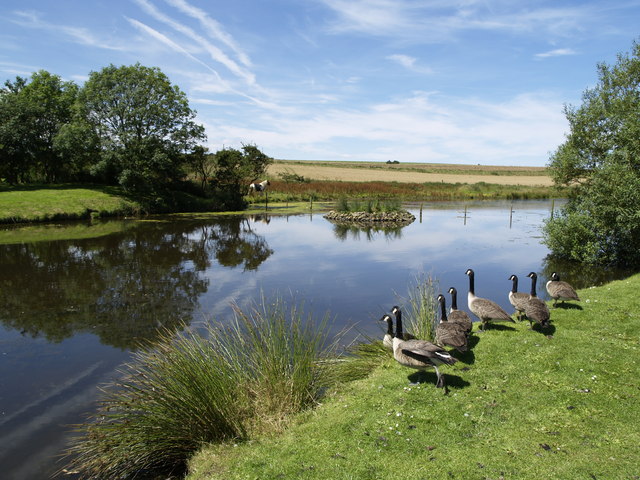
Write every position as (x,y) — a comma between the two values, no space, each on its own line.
(409,63)
(212,27)
(440,21)
(558,52)
(404,60)
(78,34)
(213,51)
(422,127)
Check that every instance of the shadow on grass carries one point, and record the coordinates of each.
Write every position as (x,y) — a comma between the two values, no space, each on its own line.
(549,330)
(568,306)
(497,326)
(468,357)
(429,377)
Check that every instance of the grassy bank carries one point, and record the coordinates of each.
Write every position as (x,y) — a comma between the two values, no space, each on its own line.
(63,202)
(523,404)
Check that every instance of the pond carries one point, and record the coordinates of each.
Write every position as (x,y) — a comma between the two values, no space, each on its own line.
(71,311)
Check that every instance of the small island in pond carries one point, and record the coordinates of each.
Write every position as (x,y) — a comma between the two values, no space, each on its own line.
(399,218)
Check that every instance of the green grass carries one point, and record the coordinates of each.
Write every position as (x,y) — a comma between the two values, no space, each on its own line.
(64,202)
(525,404)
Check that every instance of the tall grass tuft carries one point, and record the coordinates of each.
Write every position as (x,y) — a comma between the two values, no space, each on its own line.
(224,383)
(421,317)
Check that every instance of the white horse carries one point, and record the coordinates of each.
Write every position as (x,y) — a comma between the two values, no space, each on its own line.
(259,186)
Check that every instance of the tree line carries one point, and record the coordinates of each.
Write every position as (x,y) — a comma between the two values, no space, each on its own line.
(126,126)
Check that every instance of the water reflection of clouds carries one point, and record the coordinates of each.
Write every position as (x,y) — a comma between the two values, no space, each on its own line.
(356,277)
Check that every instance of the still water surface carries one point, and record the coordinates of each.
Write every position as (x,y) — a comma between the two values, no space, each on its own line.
(72,311)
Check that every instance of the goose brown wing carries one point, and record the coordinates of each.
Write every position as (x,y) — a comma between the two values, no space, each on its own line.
(426,352)
(452,335)
(489,309)
(461,318)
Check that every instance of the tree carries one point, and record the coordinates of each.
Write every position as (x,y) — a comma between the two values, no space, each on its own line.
(144,126)
(234,170)
(202,164)
(31,116)
(601,160)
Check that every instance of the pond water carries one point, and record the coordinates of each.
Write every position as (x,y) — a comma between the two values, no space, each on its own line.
(72,311)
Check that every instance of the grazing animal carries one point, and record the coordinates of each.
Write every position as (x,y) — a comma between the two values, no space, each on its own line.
(559,290)
(448,333)
(517,299)
(460,317)
(387,340)
(398,314)
(259,186)
(486,310)
(536,310)
(420,354)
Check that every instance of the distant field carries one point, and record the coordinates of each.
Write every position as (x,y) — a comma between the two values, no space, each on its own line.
(412,172)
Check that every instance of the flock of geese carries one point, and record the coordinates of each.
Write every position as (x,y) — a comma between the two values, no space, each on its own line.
(453,329)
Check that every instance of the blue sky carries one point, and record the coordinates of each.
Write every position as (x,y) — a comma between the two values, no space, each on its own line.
(440,81)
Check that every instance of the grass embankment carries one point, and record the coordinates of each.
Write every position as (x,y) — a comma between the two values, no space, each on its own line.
(523,404)
(63,202)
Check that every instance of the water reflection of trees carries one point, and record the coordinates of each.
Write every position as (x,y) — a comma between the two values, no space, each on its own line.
(121,287)
(343,231)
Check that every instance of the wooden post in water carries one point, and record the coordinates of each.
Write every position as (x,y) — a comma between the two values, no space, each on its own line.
(465,215)
(511,215)
(421,212)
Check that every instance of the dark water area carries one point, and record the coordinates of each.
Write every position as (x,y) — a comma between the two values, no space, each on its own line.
(72,311)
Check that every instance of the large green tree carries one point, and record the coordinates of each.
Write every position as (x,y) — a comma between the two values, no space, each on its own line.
(143,124)
(601,160)
(32,114)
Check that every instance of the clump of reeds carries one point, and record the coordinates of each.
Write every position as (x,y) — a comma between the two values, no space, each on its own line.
(376,205)
(422,307)
(225,383)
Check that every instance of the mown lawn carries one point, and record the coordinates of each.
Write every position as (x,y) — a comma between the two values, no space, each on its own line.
(524,404)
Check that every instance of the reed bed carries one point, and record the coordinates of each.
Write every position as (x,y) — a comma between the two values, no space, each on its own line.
(281,191)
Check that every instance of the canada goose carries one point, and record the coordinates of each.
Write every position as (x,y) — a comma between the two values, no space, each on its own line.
(560,290)
(459,316)
(398,314)
(517,299)
(420,354)
(448,333)
(387,340)
(486,310)
(536,310)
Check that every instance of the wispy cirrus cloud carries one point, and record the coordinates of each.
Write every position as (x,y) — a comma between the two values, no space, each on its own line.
(83,36)
(410,63)
(558,52)
(214,53)
(436,22)
(213,28)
